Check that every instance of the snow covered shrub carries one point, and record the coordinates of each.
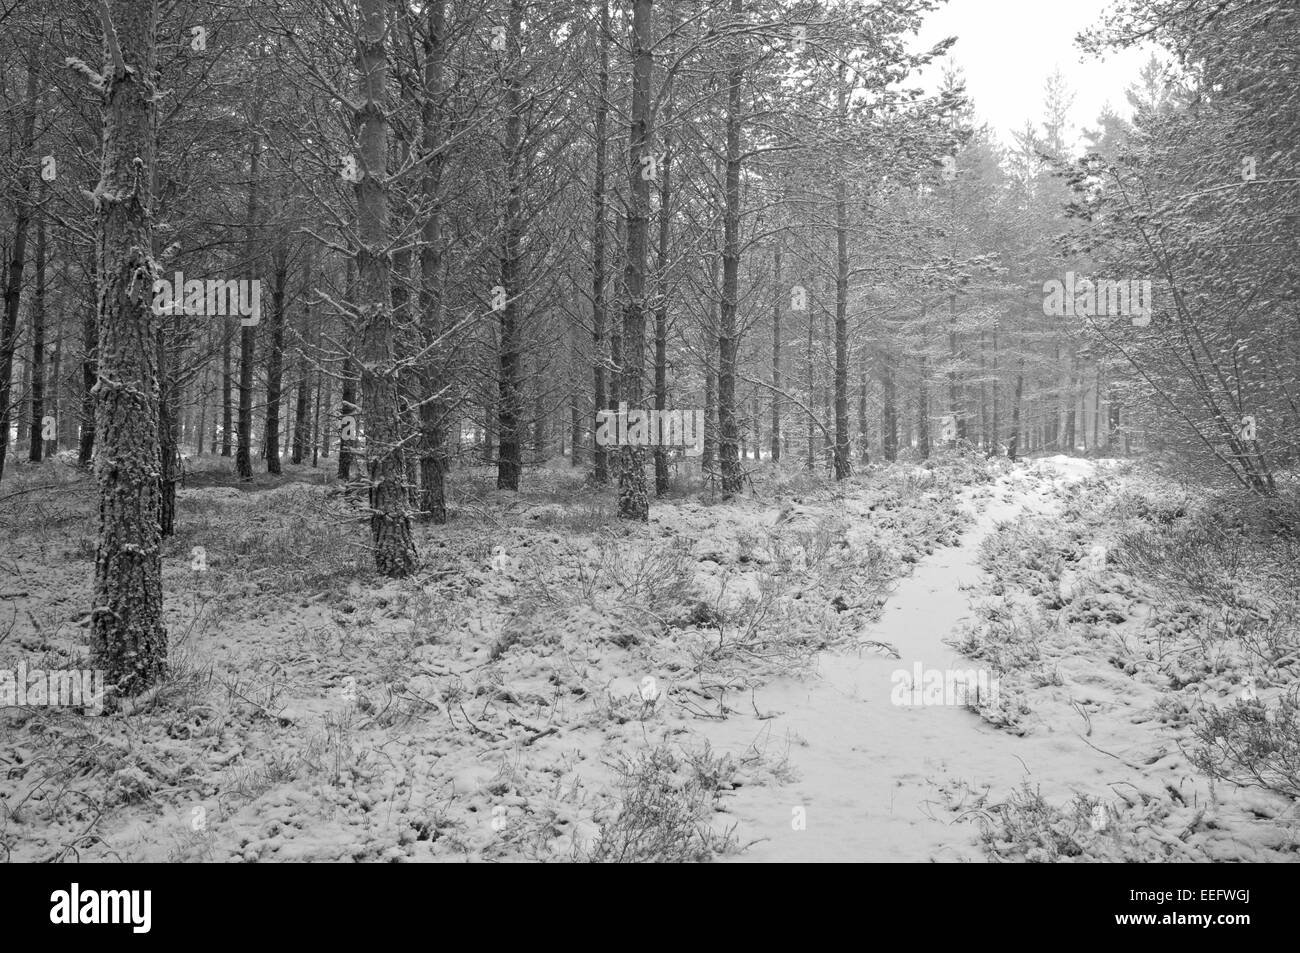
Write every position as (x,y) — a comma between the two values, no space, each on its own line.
(769,633)
(615,571)
(1007,633)
(1195,557)
(1271,633)
(666,815)
(1153,504)
(587,515)
(966,466)
(789,478)
(1251,744)
(1030,554)
(1028,828)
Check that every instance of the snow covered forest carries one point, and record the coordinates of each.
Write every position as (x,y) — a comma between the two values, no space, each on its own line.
(645,431)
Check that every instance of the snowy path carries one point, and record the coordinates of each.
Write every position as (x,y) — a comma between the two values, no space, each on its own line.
(870,772)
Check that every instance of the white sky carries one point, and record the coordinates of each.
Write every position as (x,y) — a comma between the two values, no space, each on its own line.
(1008,48)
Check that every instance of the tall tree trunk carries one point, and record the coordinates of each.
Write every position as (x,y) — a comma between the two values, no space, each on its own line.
(600,456)
(810,463)
(509,371)
(248,332)
(889,414)
(390,523)
(1070,402)
(301,405)
(728,330)
(325,400)
(18,260)
(615,381)
(661,389)
(1096,408)
(633,501)
(56,384)
(89,367)
(275,360)
(923,411)
(400,289)
(319,435)
(127,636)
(22,388)
(1013,447)
(841,458)
(575,429)
(710,450)
(708,457)
(433,409)
(1112,419)
(954,390)
(995,425)
(348,409)
(38,345)
(227,390)
(205,384)
(661,307)
(168,451)
(777,296)
(864,442)
(168,384)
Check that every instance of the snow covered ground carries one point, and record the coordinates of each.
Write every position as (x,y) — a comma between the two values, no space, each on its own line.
(880,781)
(720,683)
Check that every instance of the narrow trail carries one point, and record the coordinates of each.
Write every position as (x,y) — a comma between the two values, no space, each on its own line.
(870,774)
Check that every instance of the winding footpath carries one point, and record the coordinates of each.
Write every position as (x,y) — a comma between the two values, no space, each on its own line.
(871,775)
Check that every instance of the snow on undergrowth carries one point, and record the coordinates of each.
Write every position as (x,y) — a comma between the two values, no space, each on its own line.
(528,694)
(1161,626)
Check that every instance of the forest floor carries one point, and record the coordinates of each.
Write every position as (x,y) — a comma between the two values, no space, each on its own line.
(720,683)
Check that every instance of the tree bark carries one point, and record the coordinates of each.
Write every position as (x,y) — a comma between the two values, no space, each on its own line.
(56,396)
(433,410)
(168,451)
(841,458)
(390,523)
(778,295)
(348,398)
(248,332)
(864,442)
(127,636)
(509,369)
(728,331)
(227,390)
(923,411)
(600,456)
(1013,447)
(810,462)
(889,414)
(17,262)
(302,402)
(661,307)
(35,451)
(633,500)
(275,361)
(89,367)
